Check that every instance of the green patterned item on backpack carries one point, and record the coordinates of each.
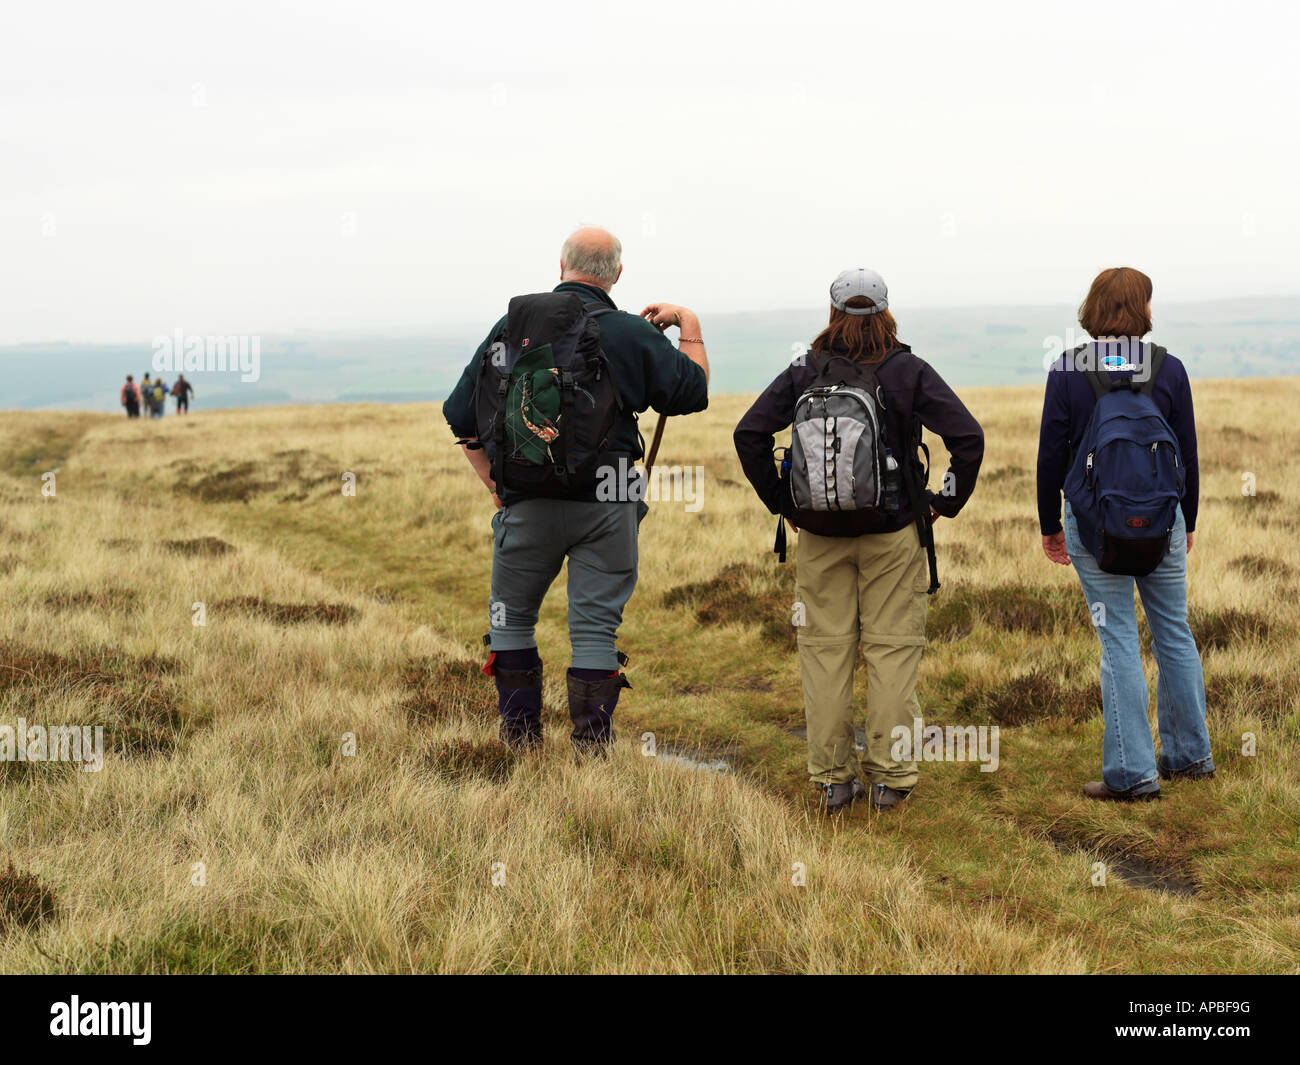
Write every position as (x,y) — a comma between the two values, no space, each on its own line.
(533,406)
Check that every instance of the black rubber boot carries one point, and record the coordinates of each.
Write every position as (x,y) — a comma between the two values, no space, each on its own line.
(593,695)
(518,676)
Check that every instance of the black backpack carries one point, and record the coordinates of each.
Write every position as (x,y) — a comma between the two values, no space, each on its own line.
(546,400)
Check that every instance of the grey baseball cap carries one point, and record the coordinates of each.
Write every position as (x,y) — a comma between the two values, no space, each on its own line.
(859,282)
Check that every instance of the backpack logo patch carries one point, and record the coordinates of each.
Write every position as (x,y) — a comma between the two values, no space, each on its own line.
(1137,523)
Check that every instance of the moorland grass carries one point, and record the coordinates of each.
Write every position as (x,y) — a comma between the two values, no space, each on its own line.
(314,786)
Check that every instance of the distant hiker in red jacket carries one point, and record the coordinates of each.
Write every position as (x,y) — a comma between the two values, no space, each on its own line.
(131,397)
(182,390)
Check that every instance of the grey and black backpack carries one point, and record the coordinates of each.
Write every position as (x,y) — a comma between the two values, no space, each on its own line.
(837,446)
(842,456)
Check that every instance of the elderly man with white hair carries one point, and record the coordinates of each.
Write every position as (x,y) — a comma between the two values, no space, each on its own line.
(546,412)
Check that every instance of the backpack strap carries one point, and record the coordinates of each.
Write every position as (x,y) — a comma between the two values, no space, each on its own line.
(1098,378)
(1155,360)
(779,546)
(560,446)
(1103,383)
(499,458)
(568,386)
(920,509)
(823,365)
(597,310)
(502,387)
(912,484)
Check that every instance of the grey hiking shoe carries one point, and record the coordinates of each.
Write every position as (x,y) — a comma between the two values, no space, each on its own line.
(884,797)
(837,797)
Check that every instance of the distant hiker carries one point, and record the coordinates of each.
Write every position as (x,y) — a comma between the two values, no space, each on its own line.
(1118,437)
(545,413)
(159,396)
(854,488)
(182,390)
(131,397)
(146,395)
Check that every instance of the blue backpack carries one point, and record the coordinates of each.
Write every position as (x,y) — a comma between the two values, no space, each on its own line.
(1127,477)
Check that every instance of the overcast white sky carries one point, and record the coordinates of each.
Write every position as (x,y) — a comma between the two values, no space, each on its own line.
(263,167)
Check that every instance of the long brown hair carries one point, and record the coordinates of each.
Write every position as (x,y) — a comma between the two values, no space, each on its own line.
(863,337)
(1116,304)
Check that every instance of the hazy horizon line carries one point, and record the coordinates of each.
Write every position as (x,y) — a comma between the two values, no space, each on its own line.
(396,332)
(435,402)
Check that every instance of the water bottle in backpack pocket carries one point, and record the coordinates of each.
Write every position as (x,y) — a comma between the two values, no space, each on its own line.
(1127,478)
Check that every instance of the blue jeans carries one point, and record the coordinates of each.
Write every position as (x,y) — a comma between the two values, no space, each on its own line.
(1128,757)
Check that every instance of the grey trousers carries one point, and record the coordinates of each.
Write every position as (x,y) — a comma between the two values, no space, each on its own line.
(531,540)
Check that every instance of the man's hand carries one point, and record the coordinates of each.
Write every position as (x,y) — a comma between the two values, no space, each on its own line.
(1189,542)
(792,525)
(1054,548)
(691,342)
(478,459)
(662,315)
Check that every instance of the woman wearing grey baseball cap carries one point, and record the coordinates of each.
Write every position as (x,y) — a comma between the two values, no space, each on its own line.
(853,487)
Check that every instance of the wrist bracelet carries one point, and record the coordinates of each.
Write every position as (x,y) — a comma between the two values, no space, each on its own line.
(690,340)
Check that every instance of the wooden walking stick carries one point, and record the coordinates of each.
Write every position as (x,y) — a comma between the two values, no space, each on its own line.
(659,425)
(654,443)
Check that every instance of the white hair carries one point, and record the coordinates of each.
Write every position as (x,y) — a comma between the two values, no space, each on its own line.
(600,262)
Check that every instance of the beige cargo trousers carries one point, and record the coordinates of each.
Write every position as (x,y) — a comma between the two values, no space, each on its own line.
(871,590)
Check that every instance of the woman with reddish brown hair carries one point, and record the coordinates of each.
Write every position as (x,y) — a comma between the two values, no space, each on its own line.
(854,491)
(1117,313)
